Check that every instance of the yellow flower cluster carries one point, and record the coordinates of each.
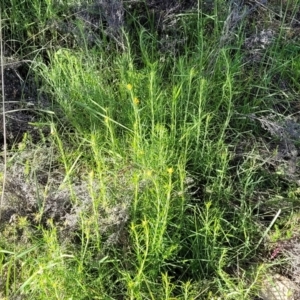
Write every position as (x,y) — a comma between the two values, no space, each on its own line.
(170,170)
(135,100)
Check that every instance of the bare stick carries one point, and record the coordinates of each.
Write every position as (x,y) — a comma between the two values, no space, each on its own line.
(3,113)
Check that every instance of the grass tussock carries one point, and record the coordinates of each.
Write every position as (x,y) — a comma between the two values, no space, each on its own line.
(160,158)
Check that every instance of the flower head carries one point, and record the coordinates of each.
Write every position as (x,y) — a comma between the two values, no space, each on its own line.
(129,87)
(149,173)
(170,170)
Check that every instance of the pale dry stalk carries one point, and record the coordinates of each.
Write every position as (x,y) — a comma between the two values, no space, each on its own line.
(3,113)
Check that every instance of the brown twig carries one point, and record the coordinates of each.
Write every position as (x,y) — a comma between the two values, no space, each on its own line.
(3,113)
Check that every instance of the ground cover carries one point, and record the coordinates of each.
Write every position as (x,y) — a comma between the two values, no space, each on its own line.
(151,150)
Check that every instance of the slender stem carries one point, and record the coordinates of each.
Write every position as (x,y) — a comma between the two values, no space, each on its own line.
(3,114)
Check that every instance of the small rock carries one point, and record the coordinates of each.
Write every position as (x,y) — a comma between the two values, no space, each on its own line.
(278,287)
